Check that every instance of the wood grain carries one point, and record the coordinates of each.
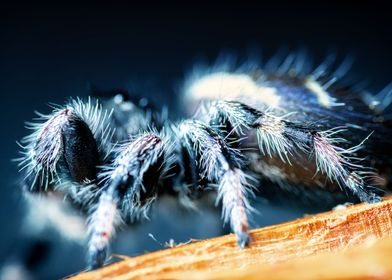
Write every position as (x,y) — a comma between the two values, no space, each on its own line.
(275,251)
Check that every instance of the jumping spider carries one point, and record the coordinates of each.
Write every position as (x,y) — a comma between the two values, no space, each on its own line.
(284,124)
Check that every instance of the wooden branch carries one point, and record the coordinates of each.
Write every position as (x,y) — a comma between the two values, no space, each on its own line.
(274,251)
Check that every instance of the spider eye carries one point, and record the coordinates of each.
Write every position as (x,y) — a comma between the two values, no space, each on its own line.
(143,102)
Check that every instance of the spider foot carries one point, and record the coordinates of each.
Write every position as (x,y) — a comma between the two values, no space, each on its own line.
(96,258)
(370,198)
(243,239)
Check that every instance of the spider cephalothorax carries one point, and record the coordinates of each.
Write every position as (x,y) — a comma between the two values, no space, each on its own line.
(286,125)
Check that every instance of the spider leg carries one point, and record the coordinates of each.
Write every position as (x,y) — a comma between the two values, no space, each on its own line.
(221,164)
(276,136)
(130,188)
(64,151)
(66,145)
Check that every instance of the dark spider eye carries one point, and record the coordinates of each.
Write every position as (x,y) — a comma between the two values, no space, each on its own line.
(143,102)
(80,150)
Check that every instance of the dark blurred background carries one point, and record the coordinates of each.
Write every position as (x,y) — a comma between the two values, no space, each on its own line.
(49,52)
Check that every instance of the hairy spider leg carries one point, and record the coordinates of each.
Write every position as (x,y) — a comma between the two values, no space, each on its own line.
(66,145)
(221,164)
(277,136)
(131,185)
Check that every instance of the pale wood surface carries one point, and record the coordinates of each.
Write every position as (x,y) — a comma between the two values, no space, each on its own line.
(277,251)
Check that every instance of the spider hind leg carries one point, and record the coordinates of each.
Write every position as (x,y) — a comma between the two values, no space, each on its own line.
(279,137)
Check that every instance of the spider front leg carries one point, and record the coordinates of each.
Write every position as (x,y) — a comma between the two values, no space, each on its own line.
(222,165)
(276,136)
(62,155)
(131,187)
(63,152)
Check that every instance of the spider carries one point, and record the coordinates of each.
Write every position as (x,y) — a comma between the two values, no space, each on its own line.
(284,123)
